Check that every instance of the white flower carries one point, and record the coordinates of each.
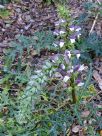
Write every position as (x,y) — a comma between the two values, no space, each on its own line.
(70,71)
(78,29)
(71,28)
(55,33)
(81,68)
(54,59)
(63,66)
(72,40)
(61,44)
(80,84)
(66,78)
(78,56)
(79,35)
(69,54)
(62,32)
(57,23)
(62,21)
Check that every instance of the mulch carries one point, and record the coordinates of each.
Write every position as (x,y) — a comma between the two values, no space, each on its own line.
(30,16)
(26,18)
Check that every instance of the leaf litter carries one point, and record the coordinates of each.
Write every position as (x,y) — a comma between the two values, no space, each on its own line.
(29,17)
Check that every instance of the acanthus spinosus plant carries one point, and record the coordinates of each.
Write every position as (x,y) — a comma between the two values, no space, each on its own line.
(66,34)
(71,70)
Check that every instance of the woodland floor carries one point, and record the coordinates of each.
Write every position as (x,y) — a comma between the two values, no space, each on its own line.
(29,17)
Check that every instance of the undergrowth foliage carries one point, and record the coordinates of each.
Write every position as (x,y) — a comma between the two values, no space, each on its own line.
(90,47)
(4,1)
(91,41)
(54,1)
(38,42)
(91,9)
(40,110)
(52,99)
(7,1)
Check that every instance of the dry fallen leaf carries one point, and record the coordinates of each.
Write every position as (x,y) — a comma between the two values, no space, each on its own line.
(76,129)
(85,114)
(34,52)
(97,78)
(82,132)
(100,132)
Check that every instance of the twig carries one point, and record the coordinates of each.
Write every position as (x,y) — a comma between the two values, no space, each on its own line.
(94,22)
(94,96)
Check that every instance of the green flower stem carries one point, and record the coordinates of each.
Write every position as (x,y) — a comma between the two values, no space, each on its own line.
(74,97)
